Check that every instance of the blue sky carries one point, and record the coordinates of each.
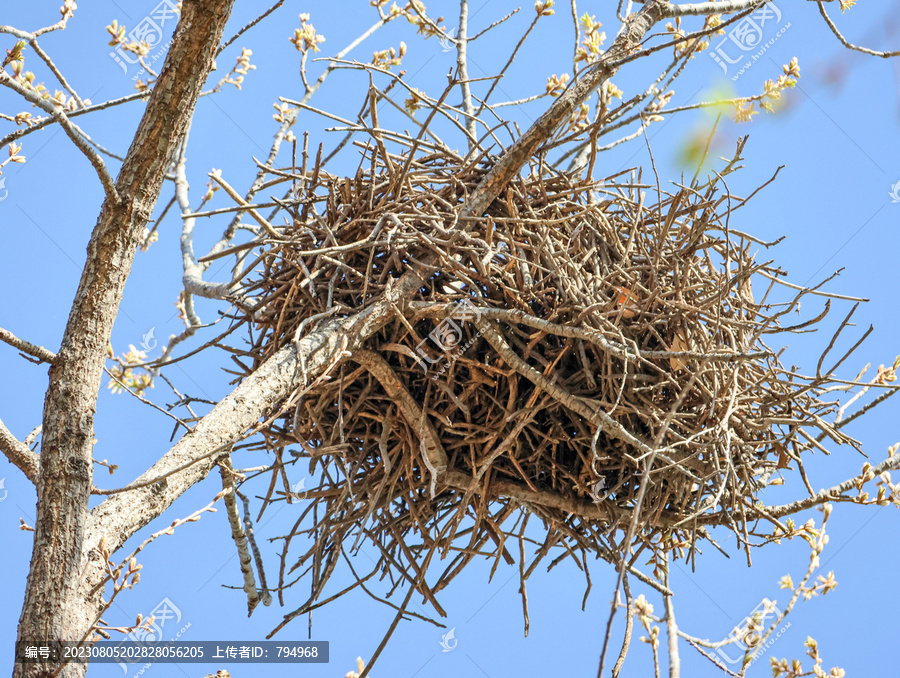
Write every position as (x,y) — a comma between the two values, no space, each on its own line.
(838,139)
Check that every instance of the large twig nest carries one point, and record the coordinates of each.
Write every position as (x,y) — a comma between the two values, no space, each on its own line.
(557,346)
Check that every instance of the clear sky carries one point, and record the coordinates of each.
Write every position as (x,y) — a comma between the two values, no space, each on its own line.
(838,139)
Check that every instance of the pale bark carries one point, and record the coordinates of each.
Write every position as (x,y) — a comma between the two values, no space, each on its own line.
(120,516)
(19,454)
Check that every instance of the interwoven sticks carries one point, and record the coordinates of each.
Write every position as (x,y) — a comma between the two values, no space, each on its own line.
(557,344)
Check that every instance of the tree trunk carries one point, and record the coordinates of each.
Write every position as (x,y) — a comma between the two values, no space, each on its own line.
(55,607)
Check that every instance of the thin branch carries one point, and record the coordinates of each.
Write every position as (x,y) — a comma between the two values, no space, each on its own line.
(234,195)
(42,354)
(145,401)
(629,618)
(72,130)
(462,64)
(19,454)
(142,483)
(848,45)
(226,470)
(594,76)
(291,117)
(671,626)
(59,76)
(257,556)
(250,25)
(833,493)
(706,8)
(507,65)
(58,26)
(193,273)
(40,123)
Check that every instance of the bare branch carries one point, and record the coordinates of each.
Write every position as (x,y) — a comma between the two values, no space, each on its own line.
(60,25)
(234,195)
(145,401)
(706,8)
(505,67)
(257,556)
(848,45)
(831,494)
(39,123)
(72,130)
(39,352)
(671,625)
(19,454)
(236,414)
(462,65)
(59,76)
(193,273)
(250,25)
(291,117)
(594,76)
(226,470)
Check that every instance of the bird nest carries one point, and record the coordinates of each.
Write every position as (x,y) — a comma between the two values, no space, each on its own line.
(583,352)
